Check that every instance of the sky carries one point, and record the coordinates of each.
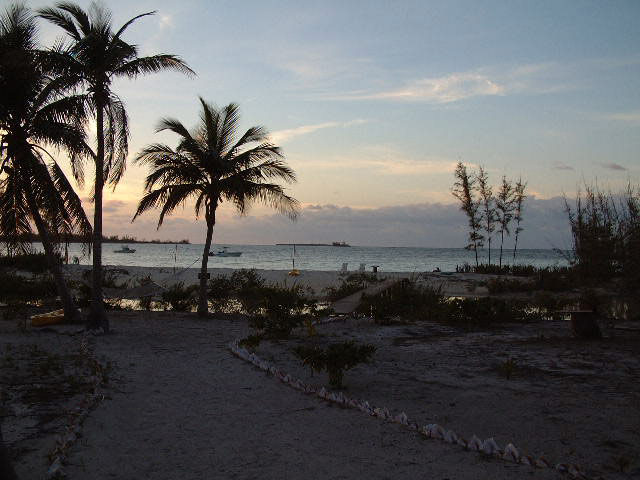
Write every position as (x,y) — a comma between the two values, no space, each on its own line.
(374,103)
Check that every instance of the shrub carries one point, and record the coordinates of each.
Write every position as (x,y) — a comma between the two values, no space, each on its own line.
(28,262)
(335,359)
(19,288)
(406,299)
(281,310)
(243,287)
(180,298)
(353,283)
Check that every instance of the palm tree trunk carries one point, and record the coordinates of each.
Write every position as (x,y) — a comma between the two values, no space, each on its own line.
(69,306)
(6,469)
(97,315)
(203,303)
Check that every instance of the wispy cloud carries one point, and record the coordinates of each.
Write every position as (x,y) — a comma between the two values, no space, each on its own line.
(282,136)
(614,166)
(629,117)
(446,89)
(562,166)
(385,160)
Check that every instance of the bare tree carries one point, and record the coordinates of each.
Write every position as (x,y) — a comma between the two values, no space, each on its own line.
(463,191)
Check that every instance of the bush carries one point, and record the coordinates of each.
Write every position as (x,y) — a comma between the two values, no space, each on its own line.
(242,288)
(281,310)
(18,288)
(406,299)
(28,262)
(180,298)
(335,359)
(353,283)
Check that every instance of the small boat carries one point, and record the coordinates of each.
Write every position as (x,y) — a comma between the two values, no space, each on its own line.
(224,253)
(51,318)
(125,249)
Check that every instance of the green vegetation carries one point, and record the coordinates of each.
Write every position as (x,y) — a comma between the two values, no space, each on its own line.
(179,297)
(411,301)
(352,284)
(16,288)
(335,359)
(28,262)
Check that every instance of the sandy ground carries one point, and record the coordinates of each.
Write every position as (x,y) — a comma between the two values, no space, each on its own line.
(181,406)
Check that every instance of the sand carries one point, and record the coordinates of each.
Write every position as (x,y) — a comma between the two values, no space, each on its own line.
(179,405)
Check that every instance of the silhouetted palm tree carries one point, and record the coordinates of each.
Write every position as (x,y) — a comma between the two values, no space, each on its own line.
(35,114)
(93,58)
(211,165)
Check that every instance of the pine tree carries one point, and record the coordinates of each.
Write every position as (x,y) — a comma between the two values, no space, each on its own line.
(463,191)
(519,205)
(505,205)
(487,205)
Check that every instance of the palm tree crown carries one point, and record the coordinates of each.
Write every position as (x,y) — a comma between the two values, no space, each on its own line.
(212,165)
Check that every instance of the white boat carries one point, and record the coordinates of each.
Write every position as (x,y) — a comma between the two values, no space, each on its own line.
(125,249)
(224,253)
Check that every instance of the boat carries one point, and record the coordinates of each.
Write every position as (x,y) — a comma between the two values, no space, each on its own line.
(340,244)
(51,318)
(224,253)
(125,249)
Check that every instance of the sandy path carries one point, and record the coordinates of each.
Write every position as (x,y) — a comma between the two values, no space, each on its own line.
(183,407)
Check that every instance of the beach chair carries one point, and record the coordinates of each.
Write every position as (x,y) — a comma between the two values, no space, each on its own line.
(362,267)
(344,270)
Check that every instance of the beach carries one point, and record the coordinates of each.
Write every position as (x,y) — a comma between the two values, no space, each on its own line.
(179,403)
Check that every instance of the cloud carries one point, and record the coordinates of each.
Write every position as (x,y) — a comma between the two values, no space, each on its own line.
(424,224)
(112,206)
(282,136)
(614,166)
(165,21)
(628,117)
(446,89)
(385,160)
(562,166)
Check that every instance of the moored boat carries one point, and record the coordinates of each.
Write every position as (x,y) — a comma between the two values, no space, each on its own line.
(224,253)
(125,249)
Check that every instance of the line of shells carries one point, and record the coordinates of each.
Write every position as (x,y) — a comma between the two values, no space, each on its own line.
(488,446)
(79,414)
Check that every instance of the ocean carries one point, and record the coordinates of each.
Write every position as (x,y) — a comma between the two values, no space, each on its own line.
(323,258)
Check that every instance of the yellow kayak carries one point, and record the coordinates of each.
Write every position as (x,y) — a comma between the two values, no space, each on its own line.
(51,318)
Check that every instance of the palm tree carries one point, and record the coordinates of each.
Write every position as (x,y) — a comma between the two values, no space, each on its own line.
(35,113)
(211,165)
(94,57)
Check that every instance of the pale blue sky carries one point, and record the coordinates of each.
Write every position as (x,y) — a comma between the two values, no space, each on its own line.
(374,102)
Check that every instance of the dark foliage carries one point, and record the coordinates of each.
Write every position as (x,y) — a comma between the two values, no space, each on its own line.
(29,262)
(19,288)
(180,298)
(351,284)
(335,359)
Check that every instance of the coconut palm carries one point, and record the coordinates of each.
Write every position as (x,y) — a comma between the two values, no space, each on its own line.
(93,58)
(212,165)
(35,114)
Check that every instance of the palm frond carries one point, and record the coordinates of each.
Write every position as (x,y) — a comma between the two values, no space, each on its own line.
(152,64)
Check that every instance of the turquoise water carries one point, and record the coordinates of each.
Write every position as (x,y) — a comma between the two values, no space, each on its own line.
(274,257)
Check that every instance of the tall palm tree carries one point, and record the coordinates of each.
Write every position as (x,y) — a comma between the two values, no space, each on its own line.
(35,113)
(93,58)
(212,165)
